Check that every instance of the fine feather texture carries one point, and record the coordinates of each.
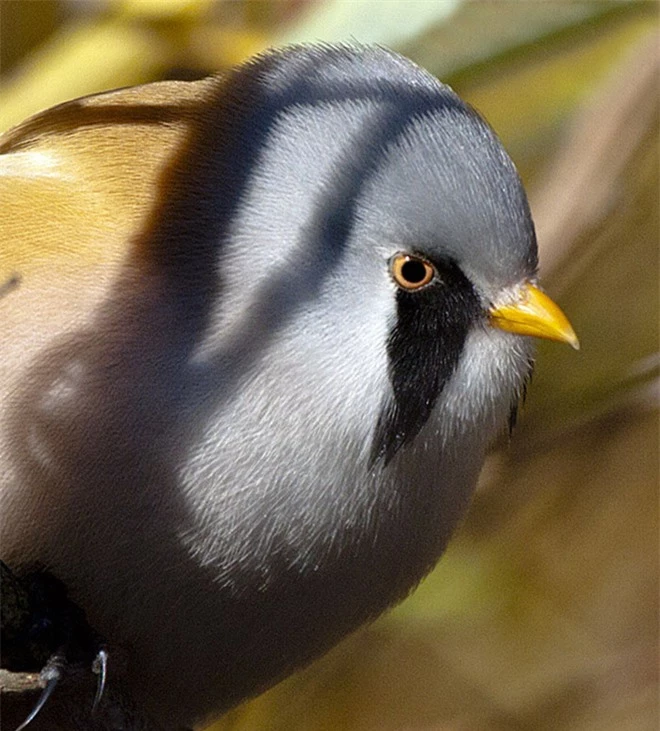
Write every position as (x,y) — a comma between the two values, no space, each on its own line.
(197,357)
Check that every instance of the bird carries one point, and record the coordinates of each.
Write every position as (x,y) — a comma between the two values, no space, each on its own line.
(258,332)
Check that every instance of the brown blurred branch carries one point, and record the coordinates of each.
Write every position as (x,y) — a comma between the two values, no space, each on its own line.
(19,682)
(581,184)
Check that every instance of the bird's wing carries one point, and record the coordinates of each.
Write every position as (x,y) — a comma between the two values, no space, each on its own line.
(77,184)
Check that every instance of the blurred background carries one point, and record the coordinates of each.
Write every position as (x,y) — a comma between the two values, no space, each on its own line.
(543,614)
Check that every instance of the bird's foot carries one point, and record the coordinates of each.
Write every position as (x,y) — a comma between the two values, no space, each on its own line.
(43,628)
(54,671)
(100,668)
(50,676)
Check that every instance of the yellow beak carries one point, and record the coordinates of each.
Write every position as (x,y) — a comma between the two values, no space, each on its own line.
(532,312)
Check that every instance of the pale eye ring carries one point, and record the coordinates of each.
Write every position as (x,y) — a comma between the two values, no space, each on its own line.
(411,272)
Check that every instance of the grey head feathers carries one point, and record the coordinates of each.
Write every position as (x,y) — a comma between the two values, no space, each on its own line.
(352,154)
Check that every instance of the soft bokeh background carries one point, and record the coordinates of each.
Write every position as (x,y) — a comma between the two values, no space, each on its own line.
(544,612)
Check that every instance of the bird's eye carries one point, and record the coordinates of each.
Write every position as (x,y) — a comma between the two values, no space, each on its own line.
(411,272)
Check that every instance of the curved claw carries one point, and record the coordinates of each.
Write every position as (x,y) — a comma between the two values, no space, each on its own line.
(100,667)
(52,675)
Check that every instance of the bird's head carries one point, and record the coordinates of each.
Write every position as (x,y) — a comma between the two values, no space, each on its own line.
(381,249)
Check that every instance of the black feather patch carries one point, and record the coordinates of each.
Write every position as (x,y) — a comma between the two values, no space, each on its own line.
(519,400)
(424,348)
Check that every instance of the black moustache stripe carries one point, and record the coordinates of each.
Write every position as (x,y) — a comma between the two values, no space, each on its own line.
(424,348)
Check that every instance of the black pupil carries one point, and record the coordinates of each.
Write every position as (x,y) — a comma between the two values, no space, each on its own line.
(413,271)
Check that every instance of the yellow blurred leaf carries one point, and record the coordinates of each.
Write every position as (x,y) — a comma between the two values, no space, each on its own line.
(163,9)
(82,59)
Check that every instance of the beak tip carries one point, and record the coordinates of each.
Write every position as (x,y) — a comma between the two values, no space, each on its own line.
(569,336)
(534,313)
